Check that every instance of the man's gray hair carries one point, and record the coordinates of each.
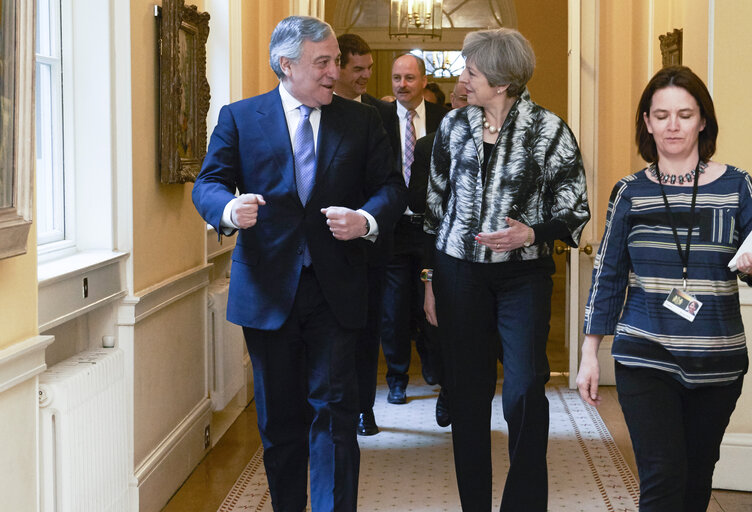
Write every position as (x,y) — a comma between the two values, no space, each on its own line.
(289,35)
(503,55)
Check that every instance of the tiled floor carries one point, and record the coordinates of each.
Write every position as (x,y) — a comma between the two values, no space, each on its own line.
(214,477)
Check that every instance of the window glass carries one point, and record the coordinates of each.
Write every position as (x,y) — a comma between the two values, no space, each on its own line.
(50,188)
(442,63)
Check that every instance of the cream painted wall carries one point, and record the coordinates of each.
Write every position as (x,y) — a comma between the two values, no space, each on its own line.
(615,104)
(548,36)
(18,447)
(625,69)
(259,20)
(168,235)
(168,371)
(733,45)
(18,296)
(692,17)
(19,404)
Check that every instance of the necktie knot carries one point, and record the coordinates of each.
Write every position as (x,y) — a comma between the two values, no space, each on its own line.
(305,111)
(411,115)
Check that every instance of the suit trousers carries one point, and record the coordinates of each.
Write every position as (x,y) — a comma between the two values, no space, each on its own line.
(307,404)
(367,357)
(676,435)
(403,318)
(476,304)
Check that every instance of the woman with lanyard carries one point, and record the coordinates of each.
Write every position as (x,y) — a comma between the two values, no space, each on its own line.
(679,345)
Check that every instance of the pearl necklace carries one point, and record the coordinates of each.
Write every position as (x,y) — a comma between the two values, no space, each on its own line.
(671,178)
(487,126)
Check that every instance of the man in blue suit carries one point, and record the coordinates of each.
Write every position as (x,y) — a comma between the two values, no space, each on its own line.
(316,183)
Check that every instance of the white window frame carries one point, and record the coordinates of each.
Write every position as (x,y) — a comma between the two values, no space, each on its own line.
(95,143)
(52,179)
(88,132)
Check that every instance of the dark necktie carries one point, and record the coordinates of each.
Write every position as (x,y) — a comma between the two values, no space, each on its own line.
(409,144)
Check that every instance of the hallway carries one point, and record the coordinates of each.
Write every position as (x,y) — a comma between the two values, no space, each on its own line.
(210,482)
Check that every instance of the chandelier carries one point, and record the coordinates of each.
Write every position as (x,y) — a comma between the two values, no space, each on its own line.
(421,18)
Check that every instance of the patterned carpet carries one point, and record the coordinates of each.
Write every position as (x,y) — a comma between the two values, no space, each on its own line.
(586,471)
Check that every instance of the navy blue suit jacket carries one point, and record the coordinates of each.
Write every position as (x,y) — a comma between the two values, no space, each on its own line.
(250,149)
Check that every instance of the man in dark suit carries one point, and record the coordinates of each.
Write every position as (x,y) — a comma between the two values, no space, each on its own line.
(355,71)
(402,301)
(316,180)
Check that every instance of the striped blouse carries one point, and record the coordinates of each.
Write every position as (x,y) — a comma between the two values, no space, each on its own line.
(638,254)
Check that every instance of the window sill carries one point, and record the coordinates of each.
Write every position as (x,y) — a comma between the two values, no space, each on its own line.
(75,285)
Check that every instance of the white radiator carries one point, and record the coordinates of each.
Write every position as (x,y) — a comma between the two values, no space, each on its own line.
(227,349)
(83,434)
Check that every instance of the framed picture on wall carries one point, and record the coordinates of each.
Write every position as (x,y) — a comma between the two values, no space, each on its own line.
(16,124)
(183,90)
(671,48)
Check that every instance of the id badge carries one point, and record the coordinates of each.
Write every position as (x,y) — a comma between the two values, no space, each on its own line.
(683,304)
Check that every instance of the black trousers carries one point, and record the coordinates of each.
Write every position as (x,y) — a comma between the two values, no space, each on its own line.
(676,435)
(476,304)
(403,318)
(307,405)
(367,355)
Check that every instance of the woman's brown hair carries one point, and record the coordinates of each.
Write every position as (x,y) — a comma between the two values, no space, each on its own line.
(676,76)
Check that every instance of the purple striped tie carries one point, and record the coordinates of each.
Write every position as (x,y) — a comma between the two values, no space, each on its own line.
(305,163)
(305,155)
(409,144)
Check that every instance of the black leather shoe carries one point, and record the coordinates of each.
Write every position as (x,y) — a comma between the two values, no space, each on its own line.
(397,395)
(367,424)
(428,375)
(443,418)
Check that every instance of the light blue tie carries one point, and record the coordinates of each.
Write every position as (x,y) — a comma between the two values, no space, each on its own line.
(305,155)
(305,164)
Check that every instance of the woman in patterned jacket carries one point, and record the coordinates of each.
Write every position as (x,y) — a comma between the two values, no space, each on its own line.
(506,181)
(671,231)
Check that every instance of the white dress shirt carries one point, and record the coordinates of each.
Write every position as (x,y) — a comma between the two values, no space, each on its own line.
(290,106)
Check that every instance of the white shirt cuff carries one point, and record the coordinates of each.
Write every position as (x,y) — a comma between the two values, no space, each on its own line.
(226,224)
(373,232)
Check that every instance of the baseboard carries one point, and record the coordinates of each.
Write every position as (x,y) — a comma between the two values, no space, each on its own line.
(169,465)
(733,469)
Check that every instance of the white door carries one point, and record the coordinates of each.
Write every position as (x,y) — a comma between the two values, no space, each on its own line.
(583,44)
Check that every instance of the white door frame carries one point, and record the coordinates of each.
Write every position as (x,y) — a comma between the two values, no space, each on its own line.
(583,120)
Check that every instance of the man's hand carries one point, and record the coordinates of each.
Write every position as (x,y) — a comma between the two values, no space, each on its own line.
(245,210)
(344,223)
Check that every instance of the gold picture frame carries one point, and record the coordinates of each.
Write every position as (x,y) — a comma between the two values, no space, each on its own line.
(671,48)
(183,90)
(16,124)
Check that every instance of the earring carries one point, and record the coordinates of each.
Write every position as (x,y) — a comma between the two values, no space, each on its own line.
(498,91)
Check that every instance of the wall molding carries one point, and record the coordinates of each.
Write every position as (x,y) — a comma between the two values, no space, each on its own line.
(161,295)
(733,469)
(173,460)
(23,361)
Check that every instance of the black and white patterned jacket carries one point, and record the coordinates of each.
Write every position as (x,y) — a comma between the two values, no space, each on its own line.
(535,175)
